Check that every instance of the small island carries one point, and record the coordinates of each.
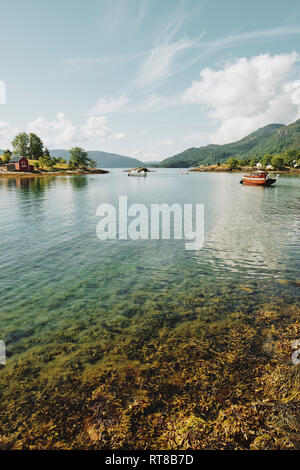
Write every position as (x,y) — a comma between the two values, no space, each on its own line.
(138,170)
(30,158)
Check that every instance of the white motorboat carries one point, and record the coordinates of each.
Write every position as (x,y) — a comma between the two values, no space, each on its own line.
(137,172)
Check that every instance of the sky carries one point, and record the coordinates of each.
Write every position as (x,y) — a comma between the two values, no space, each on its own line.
(147,78)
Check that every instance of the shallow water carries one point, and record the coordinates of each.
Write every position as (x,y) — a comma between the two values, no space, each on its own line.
(52,263)
(63,288)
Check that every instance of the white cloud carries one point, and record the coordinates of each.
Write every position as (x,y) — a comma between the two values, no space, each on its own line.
(110,105)
(160,64)
(97,126)
(62,133)
(144,157)
(248,94)
(59,133)
(7,133)
(246,36)
(162,60)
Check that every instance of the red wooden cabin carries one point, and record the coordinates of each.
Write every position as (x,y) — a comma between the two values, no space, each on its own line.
(21,164)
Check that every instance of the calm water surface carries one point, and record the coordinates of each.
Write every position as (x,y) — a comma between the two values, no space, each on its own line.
(55,274)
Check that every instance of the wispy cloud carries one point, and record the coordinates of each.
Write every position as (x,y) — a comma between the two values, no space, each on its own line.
(110,105)
(272,33)
(236,37)
(162,60)
(127,15)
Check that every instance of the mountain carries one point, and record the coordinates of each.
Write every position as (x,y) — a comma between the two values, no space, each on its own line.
(154,163)
(102,159)
(271,139)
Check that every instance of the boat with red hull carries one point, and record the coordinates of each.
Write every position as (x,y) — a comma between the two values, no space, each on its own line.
(259,178)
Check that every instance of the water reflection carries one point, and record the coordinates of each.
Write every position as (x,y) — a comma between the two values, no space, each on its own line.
(79,182)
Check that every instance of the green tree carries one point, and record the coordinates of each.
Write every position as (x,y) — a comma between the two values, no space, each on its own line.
(55,160)
(266,160)
(6,156)
(46,153)
(36,165)
(45,161)
(291,157)
(253,161)
(277,162)
(79,158)
(35,147)
(21,144)
(232,162)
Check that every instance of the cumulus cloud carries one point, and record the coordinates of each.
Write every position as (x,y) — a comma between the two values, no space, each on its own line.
(59,133)
(97,126)
(248,93)
(110,105)
(62,133)
(7,133)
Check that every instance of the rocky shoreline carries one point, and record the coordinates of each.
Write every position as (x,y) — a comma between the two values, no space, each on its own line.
(14,174)
(245,169)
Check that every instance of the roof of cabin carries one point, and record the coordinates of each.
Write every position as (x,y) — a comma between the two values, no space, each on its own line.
(16,159)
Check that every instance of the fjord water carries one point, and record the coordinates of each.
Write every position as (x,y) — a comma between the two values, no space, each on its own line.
(63,292)
(53,266)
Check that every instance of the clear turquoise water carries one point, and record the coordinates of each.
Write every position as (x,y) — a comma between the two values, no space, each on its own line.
(54,268)
(73,306)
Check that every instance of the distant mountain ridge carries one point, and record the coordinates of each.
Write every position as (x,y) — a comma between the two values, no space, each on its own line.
(271,139)
(102,159)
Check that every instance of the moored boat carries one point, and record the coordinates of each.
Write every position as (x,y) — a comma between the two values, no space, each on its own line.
(259,178)
(138,172)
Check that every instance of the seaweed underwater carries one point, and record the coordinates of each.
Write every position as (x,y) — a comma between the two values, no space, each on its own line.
(145,346)
(170,368)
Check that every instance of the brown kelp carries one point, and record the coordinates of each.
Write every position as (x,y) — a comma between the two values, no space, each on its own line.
(205,370)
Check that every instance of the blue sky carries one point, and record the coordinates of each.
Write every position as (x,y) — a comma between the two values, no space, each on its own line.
(147,78)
